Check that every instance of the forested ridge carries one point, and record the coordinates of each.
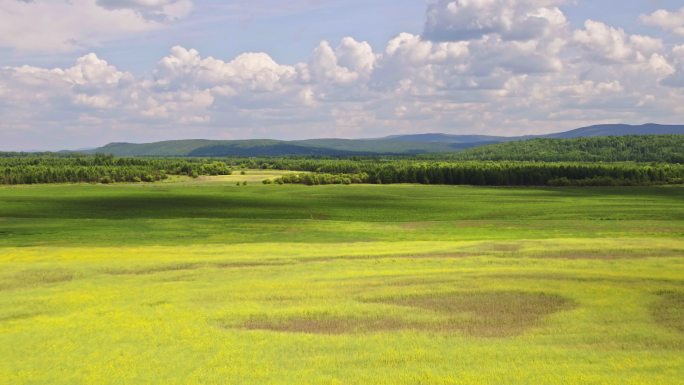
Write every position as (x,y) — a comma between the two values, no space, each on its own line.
(645,148)
(411,144)
(628,160)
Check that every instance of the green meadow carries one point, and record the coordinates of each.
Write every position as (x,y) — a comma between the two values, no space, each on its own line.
(207,282)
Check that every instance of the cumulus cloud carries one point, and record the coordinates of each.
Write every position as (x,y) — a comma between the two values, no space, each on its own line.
(42,106)
(69,25)
(152,9)
(612,44)
(185,86)
(453,20)
(90,82)
(676,77)
(672,21)
(355,55)
(491,77)
(324,66)
(256,72)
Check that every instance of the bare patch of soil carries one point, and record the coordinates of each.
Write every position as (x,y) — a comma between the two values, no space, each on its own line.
(326,324)
(488,314)
(478,314)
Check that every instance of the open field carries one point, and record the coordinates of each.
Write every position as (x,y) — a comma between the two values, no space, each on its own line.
(249,176)
(206,282)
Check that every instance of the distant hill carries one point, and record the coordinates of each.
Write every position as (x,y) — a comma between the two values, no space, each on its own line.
(391,145)
(619,130)
(266,147)
(446,138)
(628,148)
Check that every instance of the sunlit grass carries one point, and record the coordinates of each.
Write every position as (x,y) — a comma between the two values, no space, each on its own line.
(374,296)
(250,176)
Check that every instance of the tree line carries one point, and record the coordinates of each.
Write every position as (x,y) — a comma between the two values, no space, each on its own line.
(484,173)
(630,148)
(22,168)
(18,168)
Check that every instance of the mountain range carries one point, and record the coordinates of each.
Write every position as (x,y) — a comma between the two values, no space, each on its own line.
(390,145)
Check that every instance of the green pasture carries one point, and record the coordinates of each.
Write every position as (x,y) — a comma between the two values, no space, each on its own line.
(206,282)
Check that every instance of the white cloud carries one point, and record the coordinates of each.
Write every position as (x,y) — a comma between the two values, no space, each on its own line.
(676,76)
(672,21)
(90,82)
(411,63)
(453,20)
(43,106)
(498,81)
(605,43)
(356,56)
(249,71)
(91,71)
(52,26)
(324,66)
(186,86)
(155,9)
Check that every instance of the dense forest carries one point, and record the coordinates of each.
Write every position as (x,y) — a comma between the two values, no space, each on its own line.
(23,168)
(648,148)
(412,144)
(480,173)
(628,160)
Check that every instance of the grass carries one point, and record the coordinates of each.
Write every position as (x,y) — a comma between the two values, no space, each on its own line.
(216,213)
(250,176)
(206,282)
(669,310)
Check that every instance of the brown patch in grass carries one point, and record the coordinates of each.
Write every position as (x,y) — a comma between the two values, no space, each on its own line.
(496,247)
(153,269)
(189,266)
(579,278)
(420,281)
(488,314)
(19,316)
(456,254)
(156,303)
(477,314)
(325,324)
(35,278)
(645,343)
(416,225)
(243,264)
(605,254)
(669,310)
(453,254)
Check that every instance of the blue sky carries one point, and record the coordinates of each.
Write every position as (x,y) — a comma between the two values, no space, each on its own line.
(81,73)
(215,28)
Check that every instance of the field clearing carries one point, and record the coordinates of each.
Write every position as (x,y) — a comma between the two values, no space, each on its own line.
(206,282)
(251,176)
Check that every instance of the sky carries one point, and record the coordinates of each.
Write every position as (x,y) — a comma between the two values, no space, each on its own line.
(83,73)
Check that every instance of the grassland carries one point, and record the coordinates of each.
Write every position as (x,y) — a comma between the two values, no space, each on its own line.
(238,176)
(206,282)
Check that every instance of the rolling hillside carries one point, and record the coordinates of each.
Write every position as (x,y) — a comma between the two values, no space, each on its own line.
(629,148)
(391,145)
(446,138)
(620,130)
(266,147)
